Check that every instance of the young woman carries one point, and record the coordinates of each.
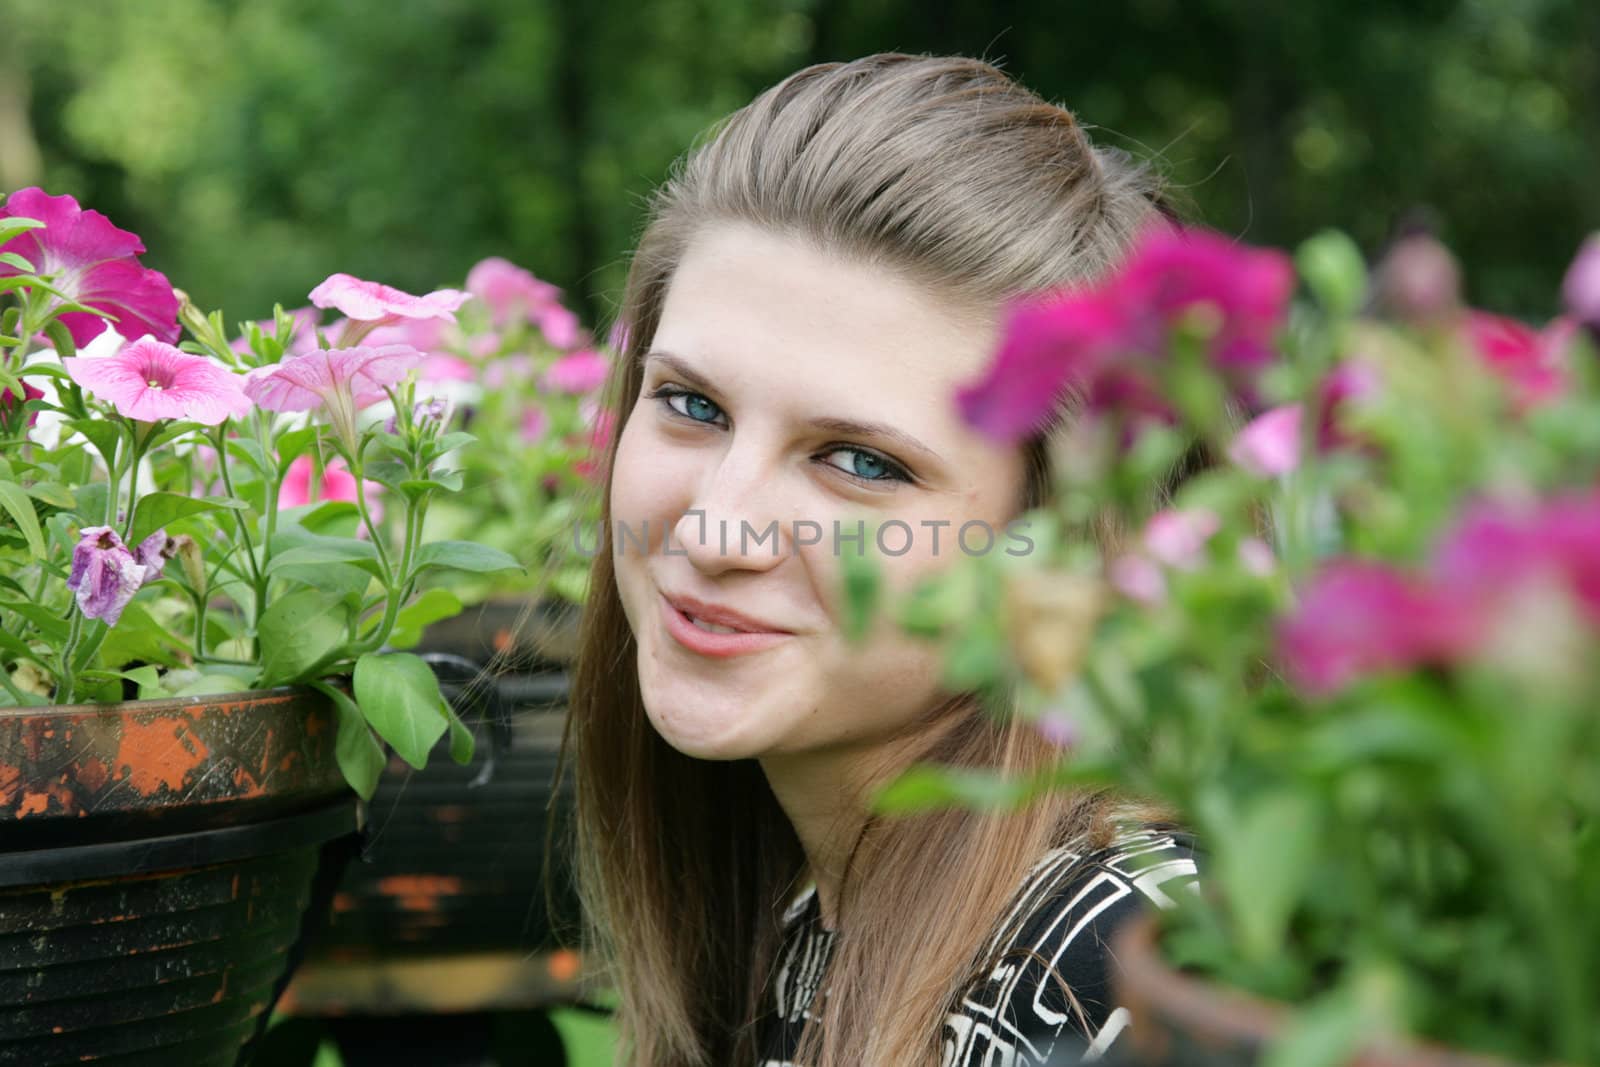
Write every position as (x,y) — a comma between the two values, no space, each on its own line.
(815,281)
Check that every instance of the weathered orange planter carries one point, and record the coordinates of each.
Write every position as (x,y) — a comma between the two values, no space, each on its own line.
(159,862)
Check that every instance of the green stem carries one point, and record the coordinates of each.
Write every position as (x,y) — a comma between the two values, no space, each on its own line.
(399,589)
(65,675)
(242,526)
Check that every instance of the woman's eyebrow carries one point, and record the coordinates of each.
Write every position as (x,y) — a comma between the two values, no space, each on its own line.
(829,423)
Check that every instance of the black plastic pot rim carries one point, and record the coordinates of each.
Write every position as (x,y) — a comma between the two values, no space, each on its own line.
(202,848)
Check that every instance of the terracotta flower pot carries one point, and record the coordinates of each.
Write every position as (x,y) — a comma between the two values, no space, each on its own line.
(1180,1020)
(160,863)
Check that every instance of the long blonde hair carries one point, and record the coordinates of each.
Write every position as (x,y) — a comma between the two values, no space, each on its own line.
(949,172)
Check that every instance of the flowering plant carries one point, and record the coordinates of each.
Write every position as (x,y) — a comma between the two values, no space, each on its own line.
(1354,650)
(168,521)
(517,369)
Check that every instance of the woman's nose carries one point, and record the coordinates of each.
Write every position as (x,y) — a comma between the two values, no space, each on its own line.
(734,521)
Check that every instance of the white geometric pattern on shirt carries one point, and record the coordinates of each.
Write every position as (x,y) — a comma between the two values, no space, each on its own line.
(978,1034)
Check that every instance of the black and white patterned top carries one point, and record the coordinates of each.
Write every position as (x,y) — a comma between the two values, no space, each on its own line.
(1018,1014)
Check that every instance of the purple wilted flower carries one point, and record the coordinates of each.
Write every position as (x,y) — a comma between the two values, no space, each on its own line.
(94,264)
(153,552)
(105,575)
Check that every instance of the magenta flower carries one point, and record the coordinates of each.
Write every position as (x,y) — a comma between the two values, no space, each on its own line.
(576,373)
(9,402)
(560,327)
(1050,345)
(1530,363)
(149,380)
(1357,618)
(1496,547)
(374,302)
(1175,274)
(1581,288)
(105,575)
(342,380)
(95,264)
(1107,345)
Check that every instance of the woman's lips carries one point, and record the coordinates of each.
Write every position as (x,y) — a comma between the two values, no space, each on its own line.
(706,643)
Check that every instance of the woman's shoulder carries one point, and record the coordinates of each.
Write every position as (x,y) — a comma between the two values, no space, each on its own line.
(1048,976)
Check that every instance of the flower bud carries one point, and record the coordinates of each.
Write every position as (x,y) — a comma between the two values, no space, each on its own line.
(188,554)
(1581,289)
(1050,617)
(1418,281)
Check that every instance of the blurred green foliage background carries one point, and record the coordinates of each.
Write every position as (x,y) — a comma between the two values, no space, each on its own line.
(259,145)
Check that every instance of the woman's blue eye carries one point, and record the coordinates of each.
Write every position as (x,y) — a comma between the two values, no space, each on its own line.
(868,467)
(692,403)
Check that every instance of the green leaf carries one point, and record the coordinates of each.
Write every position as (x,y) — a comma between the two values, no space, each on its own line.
(430,607)
(102,433)
(17,224)
(862,588)
(294,548)
(1325,1033)
(47,623)
(359,754)
(464,556)
(399,696)
(53,493)
(1334,271)
(298,632)
(1262,862)
(347,580)
(61,339)
(11,259)
(462,743)
(156,510)
(291,444)
(17,504)
(210,684)
(926,787)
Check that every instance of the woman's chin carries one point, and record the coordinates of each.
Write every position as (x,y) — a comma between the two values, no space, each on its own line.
(702,731)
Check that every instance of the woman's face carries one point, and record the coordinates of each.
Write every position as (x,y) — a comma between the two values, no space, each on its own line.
(762,338)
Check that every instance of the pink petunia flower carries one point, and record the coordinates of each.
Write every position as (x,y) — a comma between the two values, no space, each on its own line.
(534,423)
(1178,537)
(342,380)
(1529,362)
(576,373)
(337,483)
(1270,444)
(95,264)
(374,302)
(149,380)
(105,575)
(1580,290)
(511,293)
(1139,578)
